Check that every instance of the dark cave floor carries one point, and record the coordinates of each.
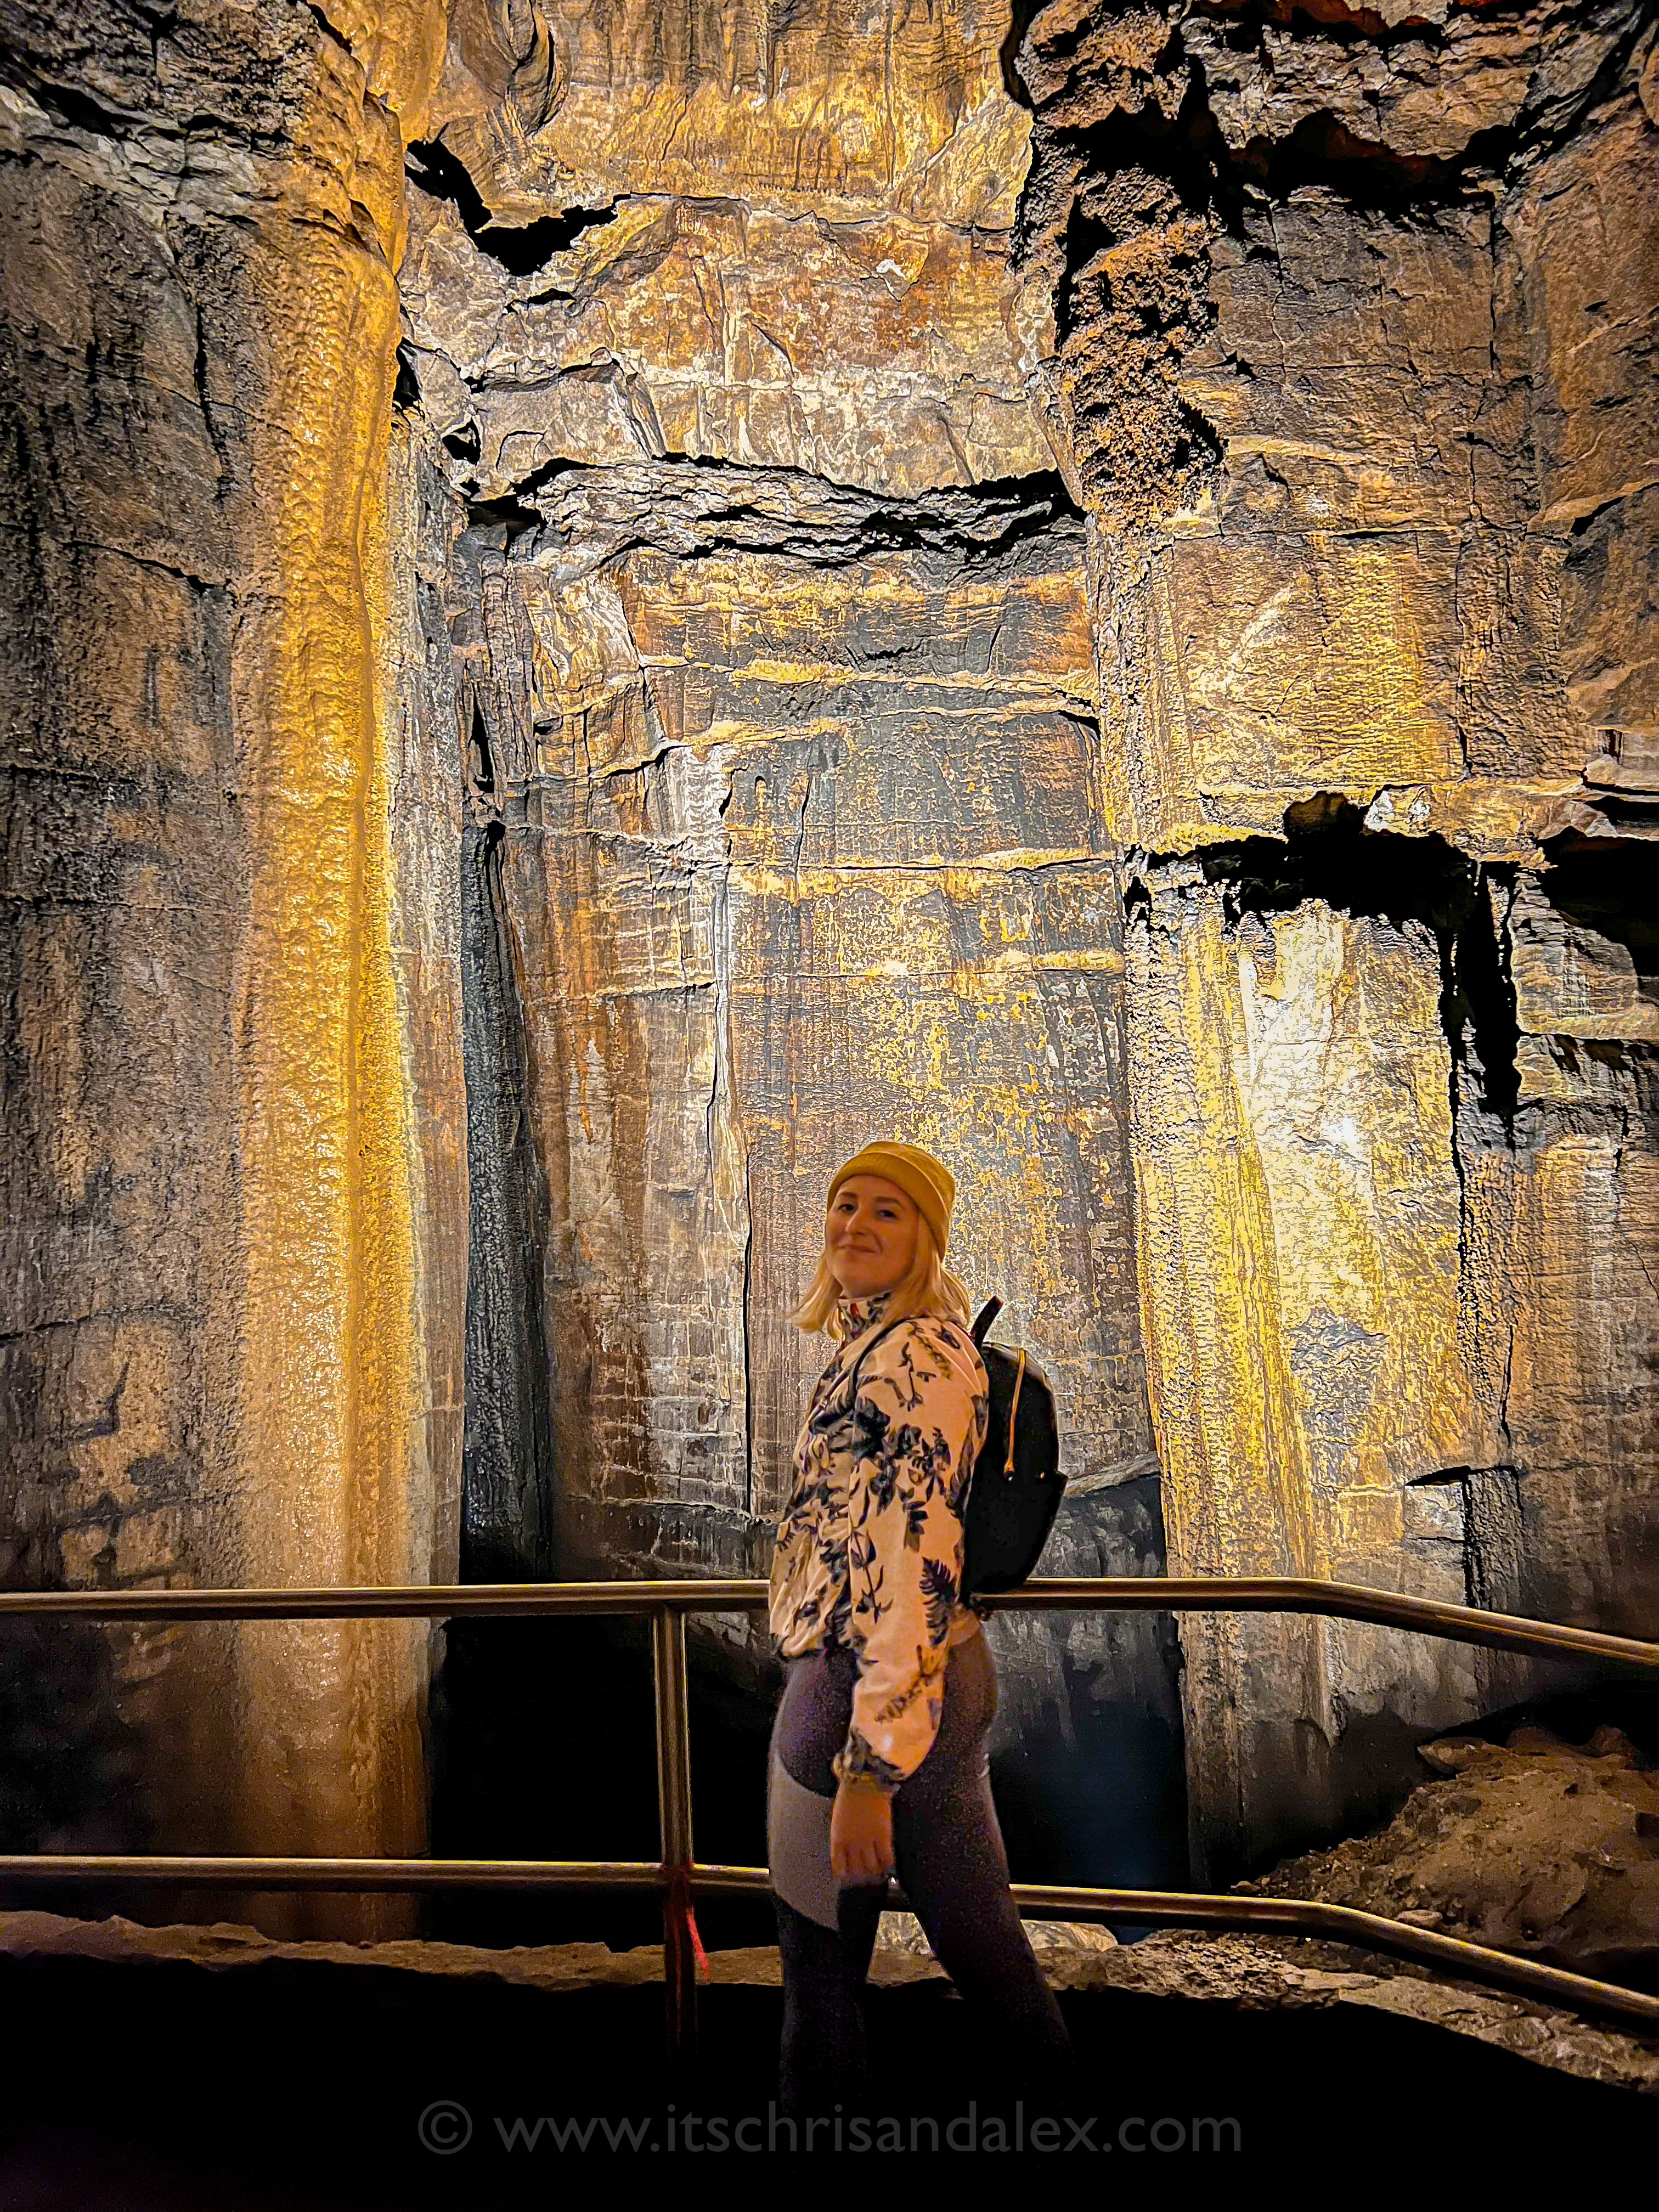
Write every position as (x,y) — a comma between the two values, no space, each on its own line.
(279,2081)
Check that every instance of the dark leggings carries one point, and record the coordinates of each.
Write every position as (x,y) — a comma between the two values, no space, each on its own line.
(952,1867)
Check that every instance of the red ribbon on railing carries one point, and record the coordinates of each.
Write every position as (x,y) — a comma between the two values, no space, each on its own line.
(680,1905)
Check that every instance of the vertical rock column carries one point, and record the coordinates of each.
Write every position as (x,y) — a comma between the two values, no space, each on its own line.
(334,1470)
(235,1224)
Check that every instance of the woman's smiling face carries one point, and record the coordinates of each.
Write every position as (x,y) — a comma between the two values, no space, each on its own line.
(869,1235)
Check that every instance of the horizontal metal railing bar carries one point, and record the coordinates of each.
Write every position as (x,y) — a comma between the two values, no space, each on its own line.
(199,1870)
(1346,1923)
(1295,1915)
(1303,1916)
(1461,1624)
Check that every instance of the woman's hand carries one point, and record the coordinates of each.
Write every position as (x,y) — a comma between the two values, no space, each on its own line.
(860,1835)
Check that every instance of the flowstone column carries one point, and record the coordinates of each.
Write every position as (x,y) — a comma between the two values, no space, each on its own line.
(335,1480)
(234,1227)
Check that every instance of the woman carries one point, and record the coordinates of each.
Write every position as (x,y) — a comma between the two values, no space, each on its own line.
(879,1750)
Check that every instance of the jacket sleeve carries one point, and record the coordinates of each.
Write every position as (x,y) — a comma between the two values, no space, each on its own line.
(920,1419)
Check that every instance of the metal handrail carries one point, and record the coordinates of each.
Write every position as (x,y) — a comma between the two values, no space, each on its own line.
(1463,1624)
(677,1875)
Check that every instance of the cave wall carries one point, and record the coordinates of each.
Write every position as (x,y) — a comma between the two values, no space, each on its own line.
(778,873)
(778,686)
(777,683)
(1083,587)
(1339,337)
(1356,324)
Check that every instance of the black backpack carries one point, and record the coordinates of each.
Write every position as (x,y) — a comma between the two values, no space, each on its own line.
(1013,1493)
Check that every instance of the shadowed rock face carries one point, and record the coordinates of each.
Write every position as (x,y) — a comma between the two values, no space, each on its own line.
(1080,591)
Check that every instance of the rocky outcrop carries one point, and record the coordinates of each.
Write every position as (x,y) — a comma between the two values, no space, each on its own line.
(1534,1845)
(1354,330)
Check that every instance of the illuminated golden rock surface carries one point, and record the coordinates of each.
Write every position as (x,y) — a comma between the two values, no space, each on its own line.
(1370,444)
(800,842)
(832,111)
(795,252)
(230,1201)
(922,592)
(884,353)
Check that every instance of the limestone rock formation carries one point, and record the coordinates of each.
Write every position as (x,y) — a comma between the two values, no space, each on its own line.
(234,1220)
(1355,351)
(606,604)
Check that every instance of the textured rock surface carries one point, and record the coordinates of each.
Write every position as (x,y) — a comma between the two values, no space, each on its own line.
(233,1075)
(1535,1845)
(723,234)
(1355,355)
(1081,587)
(1262,1973)
(798,840)
(1252,1973)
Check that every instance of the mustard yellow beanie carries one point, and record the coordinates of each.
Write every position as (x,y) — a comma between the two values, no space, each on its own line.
(927,1183)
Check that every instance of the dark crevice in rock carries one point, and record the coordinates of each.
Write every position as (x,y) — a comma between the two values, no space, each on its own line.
(406,391)
(330,30)
(508,1473)
(1494,1546)
(1023,13)
(508,515)
(520,248)
(210,423)
(696,509)
(1482,1000)
(76,110)
(462,444)
(1328,854)
(1632,818)
(516,509)
(1369,175)
(480,763)
(1611,888)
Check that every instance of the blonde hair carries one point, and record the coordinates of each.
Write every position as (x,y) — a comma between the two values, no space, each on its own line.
(929,1288)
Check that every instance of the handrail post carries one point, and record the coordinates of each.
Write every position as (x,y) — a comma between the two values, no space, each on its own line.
(674,1810)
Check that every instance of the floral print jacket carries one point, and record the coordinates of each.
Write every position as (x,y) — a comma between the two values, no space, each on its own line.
(869,1552)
